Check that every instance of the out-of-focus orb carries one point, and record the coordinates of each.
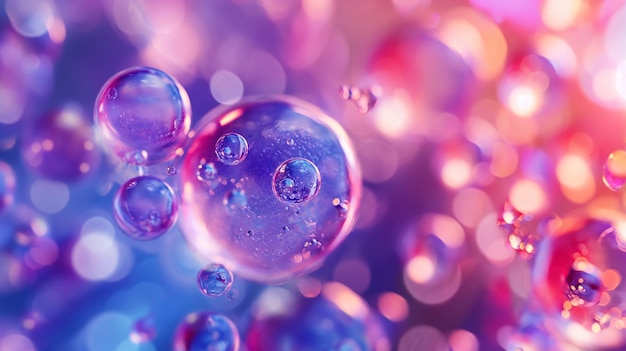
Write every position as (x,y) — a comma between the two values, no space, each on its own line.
(286,206)
(577,279)
(614,170)
(145,207)
(337,320)
(143,115)
(7,185)
(203,331)
(61,147)
(214,280)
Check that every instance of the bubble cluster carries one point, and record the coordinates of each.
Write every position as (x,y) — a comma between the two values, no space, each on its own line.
(202,331)
(145,207)
(214,280)
(299,172)
(143,115)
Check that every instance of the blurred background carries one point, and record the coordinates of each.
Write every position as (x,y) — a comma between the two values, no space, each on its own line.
(463,114)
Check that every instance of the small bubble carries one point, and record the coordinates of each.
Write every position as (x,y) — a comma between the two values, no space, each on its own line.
(285,229)
(231,149)
(290,142)
(364,99)
(112,94)
(207,174)
(582,288)
(310,246)
(296,181)
(342,207)
(235,199)
(249,233)
(614,170)
(171,170)
(214,280)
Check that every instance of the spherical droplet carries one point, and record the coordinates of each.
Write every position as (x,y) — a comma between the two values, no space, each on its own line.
(143,114)
(203,331)
(236,214)
(296,181)
(614,170)
(214,280)
(145,207)
(231,149)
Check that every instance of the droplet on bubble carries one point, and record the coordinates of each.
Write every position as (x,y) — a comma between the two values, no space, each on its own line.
(231,149)
(145,207)
(281,184)
(206,331)
(614,170)
(364,99)
(7,185)
(296,181)
(214,280)
(170,170)
(143,114)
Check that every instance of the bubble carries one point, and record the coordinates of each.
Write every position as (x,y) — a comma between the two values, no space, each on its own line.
(202,331)
(143,114)
(236,215)
(61,147)
(170,170)
(577,279)
(364,99)
(214,280)
(231,149)
(614,170)
(143,330)
(145,207)
(296,181)
(7,185)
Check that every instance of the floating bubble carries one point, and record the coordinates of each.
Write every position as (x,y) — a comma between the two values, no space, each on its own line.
(202,331)
(364,99)
(214,280)
(577,279)
(145,207)
(338,319)
(61,147)
(143,114)
(614,170)
(7,185)
(170,170)
(237,214)
(296,181)
(231,149)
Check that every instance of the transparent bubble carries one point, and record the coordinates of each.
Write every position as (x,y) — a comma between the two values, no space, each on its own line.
(231,149)
(232,214)
(214,280)
(143,115)
(61,147)
(296,181)
(170,170)
(577,279)
(145,207)
(202,331)
(614,170)
(7,185)
(338,320)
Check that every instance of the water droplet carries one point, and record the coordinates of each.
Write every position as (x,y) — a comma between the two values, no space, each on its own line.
(145,207)
(343,207)
(614,170)
(296,181)
(249,233)
(235,199)
(143,108)
(214,280)
(206,331)
(364,99)
(310,246)
(582,287)
(231,149)
(171,170)
(290,142)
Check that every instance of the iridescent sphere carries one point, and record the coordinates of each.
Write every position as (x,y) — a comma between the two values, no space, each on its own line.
(337,320)
(7,185)
(143,114)
(234,214)
(61,146)
(145,207)
(577,279)
(202,331)
(231,149)
(296,181)
(214,280)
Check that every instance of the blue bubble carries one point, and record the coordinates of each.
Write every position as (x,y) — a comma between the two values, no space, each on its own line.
(202,331)
(145,207)
(214,280)
(236,215)
(231,149)
(144,115)
(296,181)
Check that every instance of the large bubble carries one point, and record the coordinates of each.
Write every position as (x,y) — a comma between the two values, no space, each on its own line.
(143,114)
(233,213)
